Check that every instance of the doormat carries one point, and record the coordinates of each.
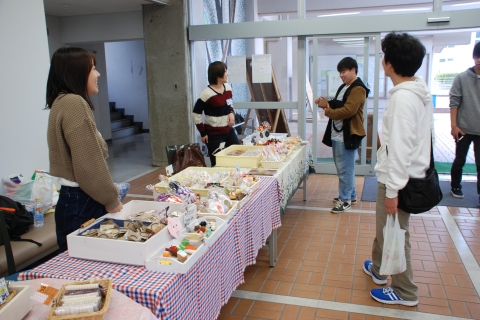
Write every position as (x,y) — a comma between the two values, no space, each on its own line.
(469,189)
(444,167)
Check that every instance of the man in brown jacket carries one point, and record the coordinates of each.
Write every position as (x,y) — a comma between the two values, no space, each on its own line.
(345,130)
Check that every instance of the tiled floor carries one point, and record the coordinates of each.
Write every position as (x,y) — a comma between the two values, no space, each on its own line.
(319,271)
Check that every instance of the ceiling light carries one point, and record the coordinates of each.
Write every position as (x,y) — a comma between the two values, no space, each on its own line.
(160,1)
(338,14)
(347,39)
(406,9)
(464,4)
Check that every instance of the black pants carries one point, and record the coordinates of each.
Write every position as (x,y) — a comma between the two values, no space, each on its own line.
(214,143)
(461,152)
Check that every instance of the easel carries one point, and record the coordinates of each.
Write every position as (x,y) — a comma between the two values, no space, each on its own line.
(265,92)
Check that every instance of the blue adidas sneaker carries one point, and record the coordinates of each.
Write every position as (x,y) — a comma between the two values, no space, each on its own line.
(367,267)
(388,296)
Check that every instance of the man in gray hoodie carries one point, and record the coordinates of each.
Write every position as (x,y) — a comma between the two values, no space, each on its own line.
(464,117)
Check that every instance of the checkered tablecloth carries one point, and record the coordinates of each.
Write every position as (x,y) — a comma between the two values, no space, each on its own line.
(200,293)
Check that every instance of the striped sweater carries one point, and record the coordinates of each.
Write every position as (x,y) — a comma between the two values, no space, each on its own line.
(216,107)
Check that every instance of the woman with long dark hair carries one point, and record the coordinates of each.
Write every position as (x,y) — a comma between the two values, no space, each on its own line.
(77,151)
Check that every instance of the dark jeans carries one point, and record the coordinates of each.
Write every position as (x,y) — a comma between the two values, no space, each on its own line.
(214,143)
(461,151)
(74,207)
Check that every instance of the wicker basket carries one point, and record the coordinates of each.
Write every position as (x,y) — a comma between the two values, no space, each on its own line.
(272,164)
(99,315)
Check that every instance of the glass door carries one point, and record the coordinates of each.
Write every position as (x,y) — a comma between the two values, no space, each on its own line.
(324,53)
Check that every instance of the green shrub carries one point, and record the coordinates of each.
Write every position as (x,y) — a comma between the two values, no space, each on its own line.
(445,78)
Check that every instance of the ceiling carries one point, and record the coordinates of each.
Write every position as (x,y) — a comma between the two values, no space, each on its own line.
(66,8)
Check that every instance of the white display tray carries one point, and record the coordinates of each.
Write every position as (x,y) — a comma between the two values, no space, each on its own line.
(220,224)
(176,266)
(223,160)
(227,216)
(161,187)
(118,251)
(20,305)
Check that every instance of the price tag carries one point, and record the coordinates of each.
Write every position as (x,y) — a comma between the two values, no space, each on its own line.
(190,214)
(222,145)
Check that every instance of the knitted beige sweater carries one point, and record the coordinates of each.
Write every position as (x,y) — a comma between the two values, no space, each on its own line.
(77,150)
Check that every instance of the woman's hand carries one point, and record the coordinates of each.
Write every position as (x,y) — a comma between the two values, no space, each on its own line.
(116,209)
(231,119)
(205,139)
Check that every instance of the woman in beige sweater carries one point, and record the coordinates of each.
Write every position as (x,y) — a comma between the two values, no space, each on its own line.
(77,151)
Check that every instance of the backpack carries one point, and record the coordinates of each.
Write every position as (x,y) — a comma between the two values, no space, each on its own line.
(17,219)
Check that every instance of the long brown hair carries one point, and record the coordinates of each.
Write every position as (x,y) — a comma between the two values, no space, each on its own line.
(69,70)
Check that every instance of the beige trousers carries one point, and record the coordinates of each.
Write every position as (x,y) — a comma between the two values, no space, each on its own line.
(402,283)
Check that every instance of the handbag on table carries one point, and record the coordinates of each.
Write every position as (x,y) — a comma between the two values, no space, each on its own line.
(188,155)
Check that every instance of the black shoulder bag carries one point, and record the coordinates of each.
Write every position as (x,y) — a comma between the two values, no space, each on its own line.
(421,194)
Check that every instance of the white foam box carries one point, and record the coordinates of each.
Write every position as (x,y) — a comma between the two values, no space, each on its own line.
(161,187)
(20,304)
(176,266)
(220,224)
(122,251)
(224,160)
(229,215)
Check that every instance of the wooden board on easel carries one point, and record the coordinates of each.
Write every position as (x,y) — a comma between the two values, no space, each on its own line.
(267,92)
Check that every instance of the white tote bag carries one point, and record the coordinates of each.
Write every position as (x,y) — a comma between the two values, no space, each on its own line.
(393,255)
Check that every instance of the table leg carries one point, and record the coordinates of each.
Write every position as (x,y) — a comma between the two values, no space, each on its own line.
(273,247)
(305,186)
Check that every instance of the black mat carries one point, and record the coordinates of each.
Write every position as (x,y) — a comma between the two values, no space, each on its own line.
(469,190)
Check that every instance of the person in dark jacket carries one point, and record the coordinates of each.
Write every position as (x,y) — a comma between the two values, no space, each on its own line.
(464,116)
(345,130)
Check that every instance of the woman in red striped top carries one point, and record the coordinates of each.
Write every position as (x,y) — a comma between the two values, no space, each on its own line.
(216,103)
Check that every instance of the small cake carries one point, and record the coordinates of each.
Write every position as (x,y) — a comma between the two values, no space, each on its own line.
(190,249)
(173,250)
(182,256)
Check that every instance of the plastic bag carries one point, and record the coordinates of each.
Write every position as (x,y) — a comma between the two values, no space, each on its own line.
(25,190)
(393,254)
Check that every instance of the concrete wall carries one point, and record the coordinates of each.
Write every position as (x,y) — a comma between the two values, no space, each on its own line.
(168,63)
(127,81)
(25,63)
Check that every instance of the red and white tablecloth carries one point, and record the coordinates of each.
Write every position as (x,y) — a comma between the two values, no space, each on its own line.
(200,293)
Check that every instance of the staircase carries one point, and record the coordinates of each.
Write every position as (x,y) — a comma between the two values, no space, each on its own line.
(122,125)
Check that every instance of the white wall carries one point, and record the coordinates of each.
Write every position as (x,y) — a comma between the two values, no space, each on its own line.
(127,80)
(103,27)
(100,100)
(25,62)
(54,27)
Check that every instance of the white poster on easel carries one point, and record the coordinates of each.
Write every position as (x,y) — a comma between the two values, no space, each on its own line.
(237,69)
(262,68)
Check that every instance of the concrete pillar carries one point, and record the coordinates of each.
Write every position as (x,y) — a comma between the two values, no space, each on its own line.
(168,64)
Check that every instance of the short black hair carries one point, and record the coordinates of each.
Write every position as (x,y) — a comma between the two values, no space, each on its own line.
(216,70)
(347,63)
(69,70)
(476,50)
(404,52)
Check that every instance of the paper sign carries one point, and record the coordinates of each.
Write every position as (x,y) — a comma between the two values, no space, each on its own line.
(169,170)
(237,69)
(174,227)
(190,214)
(222,145)
(262,68)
